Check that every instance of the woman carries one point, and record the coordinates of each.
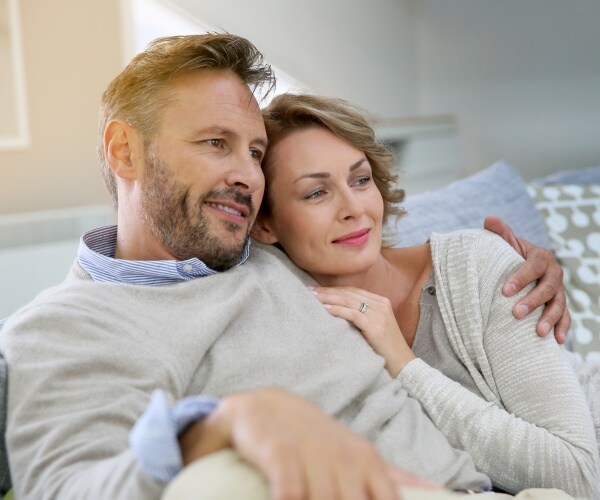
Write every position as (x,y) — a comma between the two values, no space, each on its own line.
(434,312)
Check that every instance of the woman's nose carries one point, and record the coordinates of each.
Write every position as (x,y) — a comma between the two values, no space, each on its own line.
(350,205)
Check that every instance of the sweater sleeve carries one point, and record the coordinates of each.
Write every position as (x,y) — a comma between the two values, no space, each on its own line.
(70,413)
(539,432)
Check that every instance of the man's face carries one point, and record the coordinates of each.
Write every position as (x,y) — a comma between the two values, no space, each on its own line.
(203,182)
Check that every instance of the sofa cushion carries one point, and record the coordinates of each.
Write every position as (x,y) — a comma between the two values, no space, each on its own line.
(497,190)
(589,175)
(572,215)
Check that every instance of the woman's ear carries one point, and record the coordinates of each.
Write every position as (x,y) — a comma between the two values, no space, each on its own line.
(262,230)
(122,149)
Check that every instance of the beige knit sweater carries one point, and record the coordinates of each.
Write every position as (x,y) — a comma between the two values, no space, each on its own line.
(84,358)
(525,420)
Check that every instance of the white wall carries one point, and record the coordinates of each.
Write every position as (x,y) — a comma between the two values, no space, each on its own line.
(522,77)
(71,50)
(361,51)
(25,271)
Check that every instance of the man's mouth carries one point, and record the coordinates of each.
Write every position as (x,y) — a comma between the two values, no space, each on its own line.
(226,208)
(230,205)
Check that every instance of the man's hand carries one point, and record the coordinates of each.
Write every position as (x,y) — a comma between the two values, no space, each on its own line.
(539,265)
(302,452)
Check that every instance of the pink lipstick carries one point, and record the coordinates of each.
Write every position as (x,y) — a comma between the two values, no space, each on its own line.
(354,239)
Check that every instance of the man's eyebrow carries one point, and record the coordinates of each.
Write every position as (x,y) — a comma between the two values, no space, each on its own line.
(261,142)
(325,175)
(214,130)
(224,131)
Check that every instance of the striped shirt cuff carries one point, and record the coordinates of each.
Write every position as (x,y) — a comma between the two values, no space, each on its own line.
(153,438)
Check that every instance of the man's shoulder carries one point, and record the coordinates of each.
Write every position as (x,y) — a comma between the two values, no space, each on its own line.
(268,259)
(56,302)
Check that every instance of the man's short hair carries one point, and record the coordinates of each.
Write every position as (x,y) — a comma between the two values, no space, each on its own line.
(141,90)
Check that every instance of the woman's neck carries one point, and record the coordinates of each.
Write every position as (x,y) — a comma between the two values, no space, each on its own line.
(370,279)
(394,274)
(398,274)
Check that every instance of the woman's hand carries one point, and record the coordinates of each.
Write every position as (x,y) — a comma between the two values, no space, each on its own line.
(373,315)
(539,265)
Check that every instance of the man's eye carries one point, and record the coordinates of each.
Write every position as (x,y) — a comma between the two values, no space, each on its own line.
(217,143)
(256,154)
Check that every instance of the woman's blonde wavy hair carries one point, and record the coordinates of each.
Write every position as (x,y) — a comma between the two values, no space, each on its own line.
(289,113)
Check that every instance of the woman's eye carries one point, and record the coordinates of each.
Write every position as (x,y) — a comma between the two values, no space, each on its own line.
(363,181)
(316,194)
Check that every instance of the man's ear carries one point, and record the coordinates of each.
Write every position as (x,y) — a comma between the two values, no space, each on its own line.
(262,230)
(123,149)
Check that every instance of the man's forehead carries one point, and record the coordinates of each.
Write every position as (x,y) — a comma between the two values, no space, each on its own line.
(220,97)
(216,84)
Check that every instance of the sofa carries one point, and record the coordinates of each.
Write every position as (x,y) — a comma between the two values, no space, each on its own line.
(560,212)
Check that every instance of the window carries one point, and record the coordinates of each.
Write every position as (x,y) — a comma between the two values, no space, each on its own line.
(14,129)
(146,20)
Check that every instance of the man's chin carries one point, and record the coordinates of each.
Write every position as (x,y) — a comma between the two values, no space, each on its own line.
(229,254)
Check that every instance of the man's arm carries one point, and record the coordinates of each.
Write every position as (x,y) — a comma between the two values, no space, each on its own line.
(539,265)
(301,451)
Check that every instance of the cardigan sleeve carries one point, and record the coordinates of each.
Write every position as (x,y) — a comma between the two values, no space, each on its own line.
(538,431)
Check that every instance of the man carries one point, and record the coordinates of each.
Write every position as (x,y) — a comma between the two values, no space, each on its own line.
(169,299)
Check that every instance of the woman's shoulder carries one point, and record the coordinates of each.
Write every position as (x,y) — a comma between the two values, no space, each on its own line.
(466,236)
(474,243)
(476,257)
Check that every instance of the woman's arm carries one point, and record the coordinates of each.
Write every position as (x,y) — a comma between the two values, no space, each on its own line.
(548,291)
(541,435)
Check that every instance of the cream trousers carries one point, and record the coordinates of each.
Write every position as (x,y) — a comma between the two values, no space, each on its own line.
(225,476)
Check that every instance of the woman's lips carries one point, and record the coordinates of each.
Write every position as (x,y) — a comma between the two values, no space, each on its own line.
(356,238)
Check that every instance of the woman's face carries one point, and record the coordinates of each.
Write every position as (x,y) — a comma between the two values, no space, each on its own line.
(326,211)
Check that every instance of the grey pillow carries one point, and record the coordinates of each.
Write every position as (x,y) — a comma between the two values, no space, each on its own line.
(497,190)
(589,175)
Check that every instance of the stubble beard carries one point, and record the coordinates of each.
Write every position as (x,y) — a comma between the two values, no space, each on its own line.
(181,225)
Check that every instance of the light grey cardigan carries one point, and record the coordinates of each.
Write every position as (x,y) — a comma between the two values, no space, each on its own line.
(84,357)
(526,421)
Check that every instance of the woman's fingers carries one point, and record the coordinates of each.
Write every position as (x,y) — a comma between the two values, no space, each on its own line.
(374,317)
(351,298)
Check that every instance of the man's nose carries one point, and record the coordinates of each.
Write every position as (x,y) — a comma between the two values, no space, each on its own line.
(245,172)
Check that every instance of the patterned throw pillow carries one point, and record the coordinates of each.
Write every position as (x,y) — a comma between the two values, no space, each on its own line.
(571,213)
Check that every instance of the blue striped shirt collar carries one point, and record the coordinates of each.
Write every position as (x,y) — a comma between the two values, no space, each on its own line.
(96,255)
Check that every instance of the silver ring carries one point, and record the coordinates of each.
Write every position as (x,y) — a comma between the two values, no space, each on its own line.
(363,307)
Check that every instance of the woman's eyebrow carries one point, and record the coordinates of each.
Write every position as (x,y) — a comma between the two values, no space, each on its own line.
(354,166)
(314,175)
(325,175)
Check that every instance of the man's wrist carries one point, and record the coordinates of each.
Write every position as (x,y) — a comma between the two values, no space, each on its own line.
(204,437)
